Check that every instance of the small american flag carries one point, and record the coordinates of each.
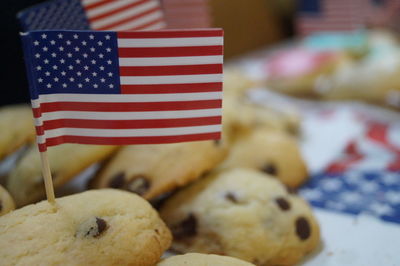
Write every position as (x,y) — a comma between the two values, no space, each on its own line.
(116,15)
(187,14)
(119,88)
(339,15)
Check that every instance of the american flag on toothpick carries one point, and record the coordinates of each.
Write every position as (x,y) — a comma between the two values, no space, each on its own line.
(339,15)
(120,88)
(115,15)
(187,13)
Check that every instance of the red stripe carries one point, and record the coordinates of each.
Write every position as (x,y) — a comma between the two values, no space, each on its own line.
(118,10)
(170,70)
(170,34)
(129,19)
(131,140)
(170,51)
(129,106)
(128,124)
(94,5)
(147,25)
(42,147)
(171,88)
(353,156)
(36,112)
(379,132)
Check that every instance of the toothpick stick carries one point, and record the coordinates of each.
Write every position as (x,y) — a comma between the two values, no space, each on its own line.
(48,181)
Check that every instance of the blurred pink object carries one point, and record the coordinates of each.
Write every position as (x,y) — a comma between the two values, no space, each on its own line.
(187,13)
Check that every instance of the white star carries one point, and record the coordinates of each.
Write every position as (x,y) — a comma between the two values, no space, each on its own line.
(40,80)
(101,55)
(108,37)
(76,36)
(55,67)
(44,36)
(47,73)
(101,68)
(109,62)
(63,73)
(69,55)
(39,68)
(95,86)
(71,79)
(36,43)
(335,205)
(78,61)
(45,49)
(48,85)
(85,55)
(79,73)
(354,178)
(60,36)
(37,55)
(68,42)
(351,197)
(100,43)
(86,67)
(103,80)
(61,48)
(94,74)
(46,61)
(62,61)
(110,74)
(111,86)
(393,197)
(84,43)
(391,179)
(369,186)
(311,194)
(56,79)
(76,49)
(380,209)
(80,85)
(64,85)
(93,62)
(108,49)
(91,36)
(331,184)
(87,79)
(70,67)
(52,42)
(53,54)
(92,49)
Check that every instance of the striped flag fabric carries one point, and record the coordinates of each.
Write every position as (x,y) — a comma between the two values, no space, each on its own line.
(113,15)
(187,14)
(121,88)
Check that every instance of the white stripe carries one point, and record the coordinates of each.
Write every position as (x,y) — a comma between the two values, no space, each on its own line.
(108,7)
(40,139)
(158,26)
(140,21)
(171,79)
(162,97)
(171,61)
(148,132)
(89,2)
(131,115)
(123,14)
(170,42)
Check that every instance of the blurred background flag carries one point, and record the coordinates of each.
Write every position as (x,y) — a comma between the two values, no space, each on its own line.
(120,88)
(115,15)
(342,15)
(187,14)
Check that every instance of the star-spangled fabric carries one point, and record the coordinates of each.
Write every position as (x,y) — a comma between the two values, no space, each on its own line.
(119,88)
(117,15)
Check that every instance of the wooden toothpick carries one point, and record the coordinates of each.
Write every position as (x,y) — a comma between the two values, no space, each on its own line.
(48,181)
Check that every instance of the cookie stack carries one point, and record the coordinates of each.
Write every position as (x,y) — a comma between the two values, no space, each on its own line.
(228,197)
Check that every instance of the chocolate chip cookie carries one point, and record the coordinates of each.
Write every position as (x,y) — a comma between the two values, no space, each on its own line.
(25,181)
(6,202)
(242,213)
(196,259)
(151,170)
(104,227)
(16,127)
(270,151)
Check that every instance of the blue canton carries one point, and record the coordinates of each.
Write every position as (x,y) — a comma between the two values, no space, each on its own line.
(373,192)
(73,62)
(309,6)
(52,15)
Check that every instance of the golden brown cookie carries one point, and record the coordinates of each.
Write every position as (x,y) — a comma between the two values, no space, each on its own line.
(242,213)
(151,170)
(25,181)
(6,202)
(273,152)
(104,227)
(16,127)
(196,259)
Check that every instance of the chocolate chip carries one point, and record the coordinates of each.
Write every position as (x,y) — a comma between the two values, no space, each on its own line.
(231,197)
(187,228)
(139,185)
(101,226)
(94,227)
(270,169)
(118,181)
(283,204)
(303,228)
